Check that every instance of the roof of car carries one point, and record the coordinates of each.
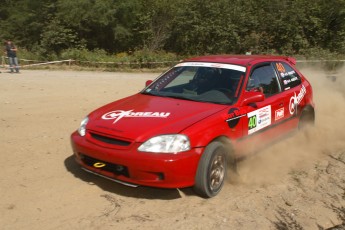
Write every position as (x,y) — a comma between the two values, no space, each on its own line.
(239,59)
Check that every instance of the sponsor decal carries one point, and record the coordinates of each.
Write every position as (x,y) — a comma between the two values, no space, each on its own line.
(213,65)
(99,165)
(118,114)
(259,119)
(288,74)
(233,117)
(283,73)
(279,114)
(295,100)
(294,78)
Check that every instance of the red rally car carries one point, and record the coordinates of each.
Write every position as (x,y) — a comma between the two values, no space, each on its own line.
(187,127)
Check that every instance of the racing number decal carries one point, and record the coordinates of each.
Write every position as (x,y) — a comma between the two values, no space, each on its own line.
(280,67)
(252,122)
(259,119)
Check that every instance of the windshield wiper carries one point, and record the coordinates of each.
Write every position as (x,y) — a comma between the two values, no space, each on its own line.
(149,93)
(179,97)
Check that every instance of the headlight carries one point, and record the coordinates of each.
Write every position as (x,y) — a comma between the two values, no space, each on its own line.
(166,144)
(82,128)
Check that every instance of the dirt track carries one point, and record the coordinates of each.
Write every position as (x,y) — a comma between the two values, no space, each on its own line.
(299,182)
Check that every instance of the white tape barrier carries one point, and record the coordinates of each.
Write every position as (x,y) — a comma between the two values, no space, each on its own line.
(129,63)
(70,61)
(3,63)
(47,63)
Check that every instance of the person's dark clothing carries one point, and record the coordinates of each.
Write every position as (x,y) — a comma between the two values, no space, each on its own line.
(11,53)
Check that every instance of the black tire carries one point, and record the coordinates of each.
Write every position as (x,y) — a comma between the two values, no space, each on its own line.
(212,170)
(306,120)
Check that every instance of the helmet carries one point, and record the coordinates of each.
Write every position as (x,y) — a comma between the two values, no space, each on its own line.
(205,74)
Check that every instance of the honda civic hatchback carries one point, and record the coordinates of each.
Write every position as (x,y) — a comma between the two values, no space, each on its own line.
(188,127)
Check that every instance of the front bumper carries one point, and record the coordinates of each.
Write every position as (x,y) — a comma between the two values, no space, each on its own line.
(130,167)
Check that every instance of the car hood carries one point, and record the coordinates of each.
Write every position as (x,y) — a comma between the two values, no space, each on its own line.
(140,116)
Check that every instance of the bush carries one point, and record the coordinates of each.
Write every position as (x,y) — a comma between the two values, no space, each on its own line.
(25,54)
(145,58)
(85,55)
(138,59)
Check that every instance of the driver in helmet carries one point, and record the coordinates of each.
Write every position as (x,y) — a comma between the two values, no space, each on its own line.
(203,81)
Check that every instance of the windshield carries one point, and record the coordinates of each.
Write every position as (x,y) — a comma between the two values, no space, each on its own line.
(203,82)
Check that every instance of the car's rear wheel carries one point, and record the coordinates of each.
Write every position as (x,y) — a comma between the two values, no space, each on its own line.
(212,170)
(307,119)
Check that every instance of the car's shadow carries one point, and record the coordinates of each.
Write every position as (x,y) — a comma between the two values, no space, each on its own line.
(113,187)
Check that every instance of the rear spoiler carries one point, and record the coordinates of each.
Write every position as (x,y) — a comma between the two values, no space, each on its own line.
(291,60)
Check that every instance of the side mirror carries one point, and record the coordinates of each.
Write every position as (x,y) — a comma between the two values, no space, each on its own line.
(148,82)
(252,97)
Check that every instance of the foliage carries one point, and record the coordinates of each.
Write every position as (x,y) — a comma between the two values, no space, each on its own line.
(143,28)
(83,54)
(137,59)
(27,55)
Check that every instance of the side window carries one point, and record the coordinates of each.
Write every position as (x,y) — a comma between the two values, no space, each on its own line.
(264,79)
(288,75)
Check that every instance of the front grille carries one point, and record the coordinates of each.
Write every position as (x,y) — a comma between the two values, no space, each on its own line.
(109,140)
(109,167)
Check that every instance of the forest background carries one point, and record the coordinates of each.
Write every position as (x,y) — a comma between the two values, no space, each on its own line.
(168,30)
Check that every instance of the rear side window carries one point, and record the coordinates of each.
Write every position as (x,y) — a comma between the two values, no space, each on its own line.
(288,75)
(264,79)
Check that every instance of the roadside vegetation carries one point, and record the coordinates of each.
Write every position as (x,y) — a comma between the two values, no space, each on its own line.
(155,33)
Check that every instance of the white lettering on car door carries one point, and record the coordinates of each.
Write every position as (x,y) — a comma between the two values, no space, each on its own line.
(295,100)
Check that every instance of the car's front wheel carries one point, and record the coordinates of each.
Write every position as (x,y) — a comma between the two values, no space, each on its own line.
(212,170)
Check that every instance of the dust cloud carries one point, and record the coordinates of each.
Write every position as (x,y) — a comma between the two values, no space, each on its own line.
(304,150)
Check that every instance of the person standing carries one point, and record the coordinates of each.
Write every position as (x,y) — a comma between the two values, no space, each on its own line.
(11,51)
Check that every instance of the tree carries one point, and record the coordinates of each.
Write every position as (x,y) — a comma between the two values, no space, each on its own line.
(186,27)
(93,21)
(24,20)
(153,23)
(203,27)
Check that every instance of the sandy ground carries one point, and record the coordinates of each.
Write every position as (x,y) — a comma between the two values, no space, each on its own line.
(298,183)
